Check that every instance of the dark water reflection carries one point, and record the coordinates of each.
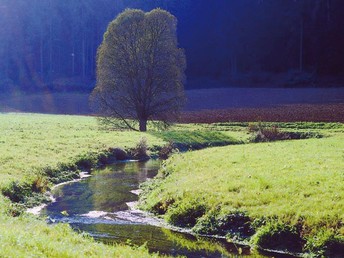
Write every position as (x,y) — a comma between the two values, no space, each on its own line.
(96,205)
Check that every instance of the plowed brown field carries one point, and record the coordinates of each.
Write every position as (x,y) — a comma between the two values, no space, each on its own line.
(285,113)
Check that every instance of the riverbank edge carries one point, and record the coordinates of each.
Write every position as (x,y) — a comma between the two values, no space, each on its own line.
(43,196)
(34,192)
(262,235)
(160,222)
(108,157)
(242,242)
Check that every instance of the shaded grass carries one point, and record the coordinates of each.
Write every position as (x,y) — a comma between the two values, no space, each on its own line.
(190,140)
(298,184)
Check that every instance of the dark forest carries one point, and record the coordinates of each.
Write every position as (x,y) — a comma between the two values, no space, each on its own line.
(52,44)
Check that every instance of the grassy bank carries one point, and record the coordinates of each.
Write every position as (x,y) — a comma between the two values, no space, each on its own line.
(40,150)
(29,237)
(285,195)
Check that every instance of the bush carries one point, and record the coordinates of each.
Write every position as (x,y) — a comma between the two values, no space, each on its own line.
(35,199)
(26,195)
(62,173)
(140,151)
(267,133)
(17,191)
(86,161)
(40,184)
(15,209)
(161,207)
(119,154)
(166,151)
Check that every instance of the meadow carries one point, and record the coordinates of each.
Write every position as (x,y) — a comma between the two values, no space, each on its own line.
(31,143)
(285,195)
(265,194)
(39,150)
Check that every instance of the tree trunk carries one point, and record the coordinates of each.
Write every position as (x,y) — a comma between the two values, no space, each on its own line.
(143,125)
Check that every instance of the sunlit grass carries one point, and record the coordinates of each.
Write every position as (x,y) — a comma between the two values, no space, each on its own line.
(292,181)
(32,142)
(28,237)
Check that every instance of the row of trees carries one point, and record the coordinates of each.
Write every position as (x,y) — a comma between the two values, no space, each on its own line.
(53,43)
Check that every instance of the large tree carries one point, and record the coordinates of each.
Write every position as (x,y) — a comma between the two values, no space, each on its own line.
(140,70)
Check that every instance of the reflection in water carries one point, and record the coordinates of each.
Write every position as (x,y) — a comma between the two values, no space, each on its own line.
(96,205)
(162,240)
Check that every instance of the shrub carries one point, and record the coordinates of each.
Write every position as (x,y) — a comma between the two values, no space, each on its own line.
(162,206)
(61,174)
(119,154)
(140,151)
(35,199)
(40,184)
(26,195)
(17,191)
(86,161)
(255,127)
(166,151)
(103,158)
(15,209)
(266,133)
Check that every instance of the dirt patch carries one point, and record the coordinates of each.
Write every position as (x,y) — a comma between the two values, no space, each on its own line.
(287,113)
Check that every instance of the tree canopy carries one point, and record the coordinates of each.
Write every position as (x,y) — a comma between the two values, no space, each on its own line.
(140,70)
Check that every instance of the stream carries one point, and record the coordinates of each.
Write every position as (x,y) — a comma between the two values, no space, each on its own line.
(100,206)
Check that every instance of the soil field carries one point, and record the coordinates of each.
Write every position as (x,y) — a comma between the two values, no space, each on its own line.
(285,113)
(224,98)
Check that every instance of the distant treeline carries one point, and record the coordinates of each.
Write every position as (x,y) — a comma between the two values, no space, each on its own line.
(52,44)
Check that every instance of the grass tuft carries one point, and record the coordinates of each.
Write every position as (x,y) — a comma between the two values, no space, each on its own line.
(279,236)
(186,214)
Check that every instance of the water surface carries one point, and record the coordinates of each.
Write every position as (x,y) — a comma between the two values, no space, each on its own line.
(99,205)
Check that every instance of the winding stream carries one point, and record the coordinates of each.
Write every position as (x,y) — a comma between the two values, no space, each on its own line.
(99,205)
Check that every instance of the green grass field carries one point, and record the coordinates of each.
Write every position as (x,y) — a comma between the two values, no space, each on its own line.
(292,190)
(31,144)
